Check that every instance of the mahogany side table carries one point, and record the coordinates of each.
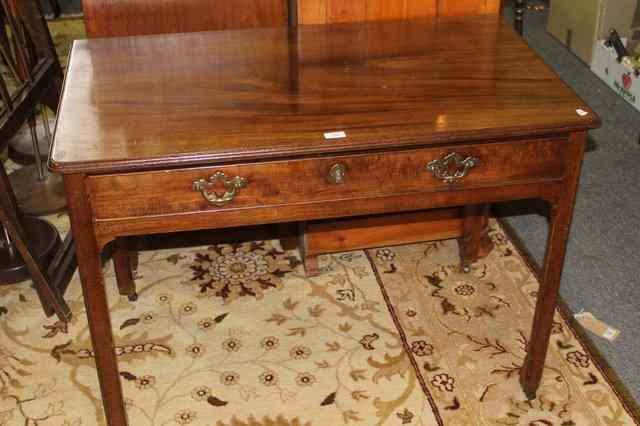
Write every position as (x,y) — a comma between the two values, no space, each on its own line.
(261,126)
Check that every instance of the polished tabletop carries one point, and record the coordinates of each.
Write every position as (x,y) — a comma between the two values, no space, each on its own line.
(137,103)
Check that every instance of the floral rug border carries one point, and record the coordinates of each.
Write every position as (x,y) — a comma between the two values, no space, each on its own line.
(405,342)
(618,387)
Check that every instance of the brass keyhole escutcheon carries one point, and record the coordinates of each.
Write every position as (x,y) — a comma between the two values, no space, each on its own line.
(337,174)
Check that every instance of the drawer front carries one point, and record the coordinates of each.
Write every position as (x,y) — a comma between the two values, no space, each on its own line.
(321,179)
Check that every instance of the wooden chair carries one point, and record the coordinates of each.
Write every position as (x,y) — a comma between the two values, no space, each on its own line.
(32,246)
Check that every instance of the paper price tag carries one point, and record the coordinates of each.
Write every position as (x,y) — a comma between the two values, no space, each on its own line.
(335,135)
(594,325)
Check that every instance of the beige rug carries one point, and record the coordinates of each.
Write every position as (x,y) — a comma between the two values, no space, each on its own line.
(237,335)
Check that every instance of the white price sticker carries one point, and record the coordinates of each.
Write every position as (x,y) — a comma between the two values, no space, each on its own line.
(335,135)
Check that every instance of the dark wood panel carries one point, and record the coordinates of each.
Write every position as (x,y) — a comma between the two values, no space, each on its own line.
(110,18)
(380,231)
(421,8)
(346,11)
(206,98)
(312,11)
(385,9)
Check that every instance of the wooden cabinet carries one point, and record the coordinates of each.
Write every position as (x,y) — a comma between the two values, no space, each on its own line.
(112,18)
(331,11)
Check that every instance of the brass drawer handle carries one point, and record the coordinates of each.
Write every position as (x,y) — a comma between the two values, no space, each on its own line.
(231,185)
(337,174)
(452,167)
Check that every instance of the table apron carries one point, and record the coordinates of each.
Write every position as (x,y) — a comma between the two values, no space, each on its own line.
(108,229)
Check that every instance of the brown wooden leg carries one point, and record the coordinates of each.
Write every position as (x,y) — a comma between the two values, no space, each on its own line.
(288,235)
(312,265)
(89,264)
(134,258)
(475,242)
(560,224)
(125,262)
(486,245)
(310,261)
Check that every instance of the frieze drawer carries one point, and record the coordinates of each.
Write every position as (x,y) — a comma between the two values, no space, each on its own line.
(309,180)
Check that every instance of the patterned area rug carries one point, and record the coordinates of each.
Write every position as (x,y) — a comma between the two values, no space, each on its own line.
(236,335)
